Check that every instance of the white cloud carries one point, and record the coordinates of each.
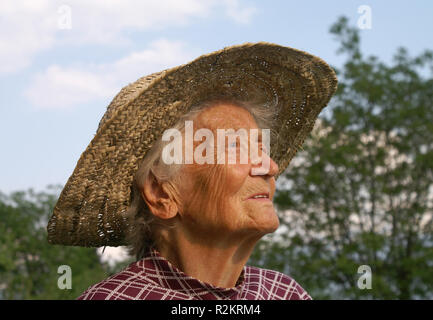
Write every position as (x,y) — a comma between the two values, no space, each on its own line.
(29,27)
(239,13)
(60,88)
(66,87)
(160,55)
(24,31)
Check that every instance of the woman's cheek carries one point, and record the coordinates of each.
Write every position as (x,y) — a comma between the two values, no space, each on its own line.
(236,174)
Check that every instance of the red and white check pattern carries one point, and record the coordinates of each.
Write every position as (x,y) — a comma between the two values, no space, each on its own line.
(155,278)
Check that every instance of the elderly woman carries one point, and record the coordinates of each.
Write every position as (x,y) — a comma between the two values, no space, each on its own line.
(190,214)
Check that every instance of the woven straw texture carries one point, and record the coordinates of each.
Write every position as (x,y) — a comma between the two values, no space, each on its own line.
(90,210)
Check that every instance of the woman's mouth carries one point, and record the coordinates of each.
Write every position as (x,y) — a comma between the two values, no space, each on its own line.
(260,197)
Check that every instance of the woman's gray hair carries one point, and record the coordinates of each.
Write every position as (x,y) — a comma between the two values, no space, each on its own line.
(141,236)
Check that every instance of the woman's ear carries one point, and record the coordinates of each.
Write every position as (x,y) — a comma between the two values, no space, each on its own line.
(158,198)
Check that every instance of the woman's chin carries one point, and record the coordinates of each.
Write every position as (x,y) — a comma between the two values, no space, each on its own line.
(267,222)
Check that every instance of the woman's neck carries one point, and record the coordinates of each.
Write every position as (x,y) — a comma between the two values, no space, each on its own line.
(215,261)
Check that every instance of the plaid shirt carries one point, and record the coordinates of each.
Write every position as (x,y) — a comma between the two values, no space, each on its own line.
(155,278)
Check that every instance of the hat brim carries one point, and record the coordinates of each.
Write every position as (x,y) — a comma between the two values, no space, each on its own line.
(90,210)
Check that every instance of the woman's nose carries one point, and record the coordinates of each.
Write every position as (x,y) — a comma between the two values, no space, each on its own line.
(264,165)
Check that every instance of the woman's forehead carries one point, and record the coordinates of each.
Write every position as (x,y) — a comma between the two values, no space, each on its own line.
(225,116)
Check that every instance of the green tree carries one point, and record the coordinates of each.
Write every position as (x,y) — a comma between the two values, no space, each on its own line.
(360,192)
(28,263)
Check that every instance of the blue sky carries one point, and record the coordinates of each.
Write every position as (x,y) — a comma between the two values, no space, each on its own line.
(56,81)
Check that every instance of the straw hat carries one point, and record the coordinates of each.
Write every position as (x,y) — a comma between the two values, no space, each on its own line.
(91,207)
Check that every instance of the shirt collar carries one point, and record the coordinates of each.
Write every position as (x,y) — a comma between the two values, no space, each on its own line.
(164,274)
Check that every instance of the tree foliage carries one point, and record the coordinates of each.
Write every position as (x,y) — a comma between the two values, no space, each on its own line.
(28,264)
(360,192)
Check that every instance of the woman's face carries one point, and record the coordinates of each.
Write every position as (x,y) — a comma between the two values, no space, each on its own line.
(217,198)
